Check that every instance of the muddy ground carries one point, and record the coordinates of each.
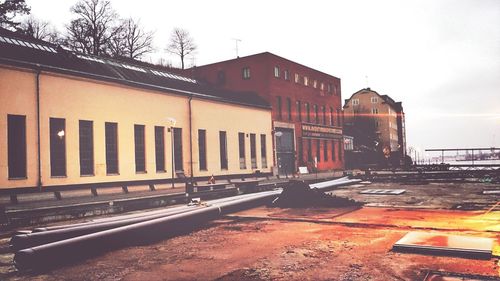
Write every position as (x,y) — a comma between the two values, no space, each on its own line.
(301,244)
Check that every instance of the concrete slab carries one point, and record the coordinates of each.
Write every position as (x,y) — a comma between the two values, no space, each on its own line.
(444,244)
(383,191)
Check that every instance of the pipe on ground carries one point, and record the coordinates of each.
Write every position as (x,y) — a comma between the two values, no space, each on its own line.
(54,254)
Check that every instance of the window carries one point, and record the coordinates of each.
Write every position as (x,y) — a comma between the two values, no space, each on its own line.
(333,150)
(335,90)
(301,151)
(86,147)
(325,150)
(221,77)
(263,151)
(286,73)
(57,147)
(315,84)
(309,150)
(340,150)
(374,110)
(299,110)
(111,135)
(318,150)
(241,141)
(160,148)
(306,81)
(308,112)
(253,151)
(331,117)
(140,149)
(202,149)
(374,99)
(278,102)
(277,71)
(16,143)
(245,72)
(322,86)
(178,160)
(323,108)
(339,120)
(316,115)
(289,108)
(223,150)
(355,102)
(329,88)
(297,78)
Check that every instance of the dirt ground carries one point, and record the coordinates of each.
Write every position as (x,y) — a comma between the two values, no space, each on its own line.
(298,244)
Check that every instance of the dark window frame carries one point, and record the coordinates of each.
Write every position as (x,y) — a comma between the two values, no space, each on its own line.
(86,148)
(263,151)
(160,149)
(242,151)
(289,108)
(202,149)
(223,150)
(325,150)
(58,147)
(299,110)
(140,148)
(17,159)
(318,150)
(111,146)
(253,151)
(279,107)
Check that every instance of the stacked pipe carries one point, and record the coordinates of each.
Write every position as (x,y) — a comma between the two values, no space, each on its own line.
(49,247)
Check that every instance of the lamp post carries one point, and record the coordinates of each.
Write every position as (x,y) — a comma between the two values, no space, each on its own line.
(172,125)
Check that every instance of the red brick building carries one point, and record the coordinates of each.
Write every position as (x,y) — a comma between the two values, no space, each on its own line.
(306,107)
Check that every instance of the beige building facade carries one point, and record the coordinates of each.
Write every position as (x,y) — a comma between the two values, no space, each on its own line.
(386,115)
(67,125)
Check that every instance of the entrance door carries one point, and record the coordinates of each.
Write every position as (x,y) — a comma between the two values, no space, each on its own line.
(285,152)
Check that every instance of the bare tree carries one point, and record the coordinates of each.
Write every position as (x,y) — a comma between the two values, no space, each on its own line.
(9,9)
(93,28)
(132,41)
(39,29)
(181,44)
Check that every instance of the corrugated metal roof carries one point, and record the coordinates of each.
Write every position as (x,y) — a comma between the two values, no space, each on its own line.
(21,50)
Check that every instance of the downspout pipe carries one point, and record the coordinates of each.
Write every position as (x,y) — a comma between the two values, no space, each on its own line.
(39,180)
(190,139)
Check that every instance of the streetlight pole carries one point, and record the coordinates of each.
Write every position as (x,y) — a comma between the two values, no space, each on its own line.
(172,124)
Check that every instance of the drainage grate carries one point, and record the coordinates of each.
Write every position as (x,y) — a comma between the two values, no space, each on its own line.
(383,191)
(443,244)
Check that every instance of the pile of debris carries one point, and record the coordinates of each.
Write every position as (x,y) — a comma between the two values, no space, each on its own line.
(298,194)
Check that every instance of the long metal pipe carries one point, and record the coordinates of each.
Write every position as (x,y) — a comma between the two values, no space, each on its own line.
(50,255)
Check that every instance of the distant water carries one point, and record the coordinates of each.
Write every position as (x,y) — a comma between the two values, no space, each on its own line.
(476,162)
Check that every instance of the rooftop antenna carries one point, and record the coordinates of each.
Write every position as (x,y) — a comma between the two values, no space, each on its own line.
(236,40)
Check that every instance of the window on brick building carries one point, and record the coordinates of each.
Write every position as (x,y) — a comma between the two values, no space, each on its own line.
(325,150)
(333,150)
(245,72)
(297,78)
(299,111)
(318,151)
(289,108)
(374,110)
(374,99)
(277,71)
(308,113)
(309,150)
(323,109)
(306,81)
(329,88)
(315,84)
(331,117)
(355,102)
(286,73)
(278,105)
(322,86)
(339,118)
(316,114)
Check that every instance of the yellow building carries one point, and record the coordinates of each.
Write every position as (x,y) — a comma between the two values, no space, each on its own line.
(381,111)
(69,119)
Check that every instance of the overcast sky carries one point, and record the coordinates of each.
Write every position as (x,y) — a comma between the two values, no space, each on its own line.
(440,58)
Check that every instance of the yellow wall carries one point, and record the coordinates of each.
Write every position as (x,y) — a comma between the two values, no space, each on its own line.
(18,96)
(77,99)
